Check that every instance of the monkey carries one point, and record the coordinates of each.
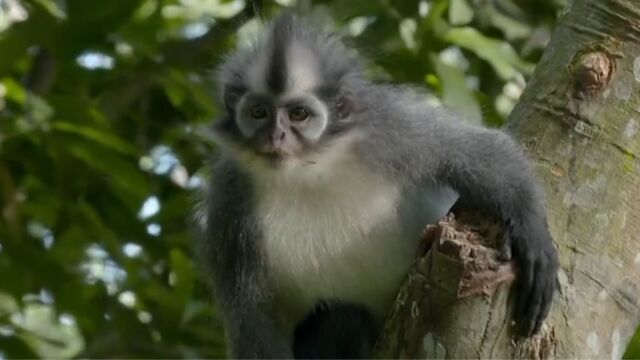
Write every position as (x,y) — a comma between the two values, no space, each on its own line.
(323,182)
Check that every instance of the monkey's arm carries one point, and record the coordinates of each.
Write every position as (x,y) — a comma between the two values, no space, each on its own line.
(229,252)
(491,172)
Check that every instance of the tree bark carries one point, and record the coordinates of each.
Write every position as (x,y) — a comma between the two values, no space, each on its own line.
(579,119)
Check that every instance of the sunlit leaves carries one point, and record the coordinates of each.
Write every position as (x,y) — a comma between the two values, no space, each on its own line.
(94,60)
(49,335)
(12,90)
(499,54)
(37,326)
(455,90)
(198,9)
(11,11)
(460,12)
(57,8)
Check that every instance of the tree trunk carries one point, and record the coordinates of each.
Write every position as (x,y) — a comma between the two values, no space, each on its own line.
(579,119)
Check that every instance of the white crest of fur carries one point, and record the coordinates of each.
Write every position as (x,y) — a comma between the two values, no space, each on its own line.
(257,74)
(302,70)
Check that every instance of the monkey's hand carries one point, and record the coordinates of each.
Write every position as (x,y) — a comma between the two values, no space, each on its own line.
(537,261)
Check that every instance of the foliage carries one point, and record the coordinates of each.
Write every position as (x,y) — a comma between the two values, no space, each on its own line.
(104,108)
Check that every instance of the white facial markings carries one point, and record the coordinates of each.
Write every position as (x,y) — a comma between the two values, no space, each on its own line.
(257,74)
(302,70)
(247,126)
(316,126)
(302,79)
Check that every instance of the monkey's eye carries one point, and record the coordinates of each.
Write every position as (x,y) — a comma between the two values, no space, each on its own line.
(258,112)
(298,114)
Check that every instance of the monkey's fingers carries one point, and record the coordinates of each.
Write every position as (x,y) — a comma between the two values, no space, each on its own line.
(536,285)
(546,306)
(535,302)
(551,273)
(524,291)
(504,247)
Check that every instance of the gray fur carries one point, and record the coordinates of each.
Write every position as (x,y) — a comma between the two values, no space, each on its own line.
(385,148)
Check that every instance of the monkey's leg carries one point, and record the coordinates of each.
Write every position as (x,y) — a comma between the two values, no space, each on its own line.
(335,331)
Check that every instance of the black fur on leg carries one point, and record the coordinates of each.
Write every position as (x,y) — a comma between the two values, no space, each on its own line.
(335,330)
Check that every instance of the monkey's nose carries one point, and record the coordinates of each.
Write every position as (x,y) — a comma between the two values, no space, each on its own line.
(276,137)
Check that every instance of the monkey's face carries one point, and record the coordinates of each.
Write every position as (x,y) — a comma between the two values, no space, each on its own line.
(285,130)
(284,109)
(280,129)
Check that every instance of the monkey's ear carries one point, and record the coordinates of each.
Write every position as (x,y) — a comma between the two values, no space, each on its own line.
(230,97)
(345,105)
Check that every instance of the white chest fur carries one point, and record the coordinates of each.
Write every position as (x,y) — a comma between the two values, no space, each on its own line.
(349,235)
(332,242)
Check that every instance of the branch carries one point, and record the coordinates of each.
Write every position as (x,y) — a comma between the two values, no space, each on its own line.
(456,294)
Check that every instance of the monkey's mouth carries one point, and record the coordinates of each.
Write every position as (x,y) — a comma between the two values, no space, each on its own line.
(274,158)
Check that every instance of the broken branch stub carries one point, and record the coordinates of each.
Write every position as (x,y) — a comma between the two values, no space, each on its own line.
(455,301)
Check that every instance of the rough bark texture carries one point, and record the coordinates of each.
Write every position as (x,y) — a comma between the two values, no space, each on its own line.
(579,118)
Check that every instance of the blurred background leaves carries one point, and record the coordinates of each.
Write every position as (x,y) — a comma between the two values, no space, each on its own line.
(103,144)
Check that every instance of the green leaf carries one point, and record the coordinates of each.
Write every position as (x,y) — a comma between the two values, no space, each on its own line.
(460,12)
(408,29)
(193,309)
(499,54)
(8,305)
(15,91)
(512,28)
(126,179)
(80,111)
(101,137)
(455,92)
(184,274)
(47,336)
(55,8)
(436,20)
